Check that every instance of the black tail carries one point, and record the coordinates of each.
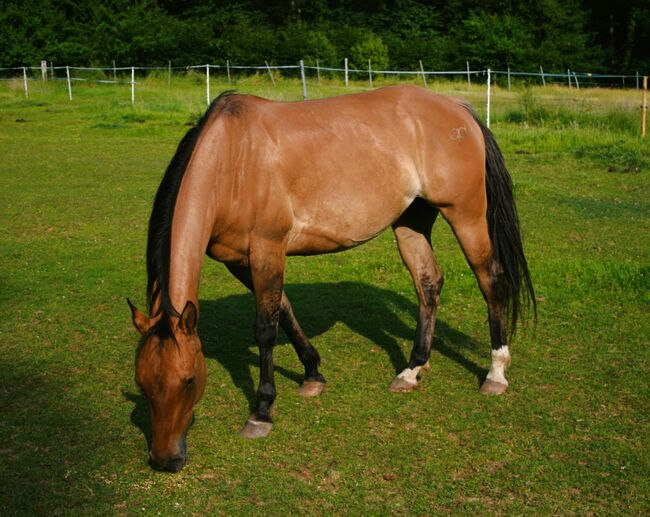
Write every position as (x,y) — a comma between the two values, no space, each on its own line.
(503,227)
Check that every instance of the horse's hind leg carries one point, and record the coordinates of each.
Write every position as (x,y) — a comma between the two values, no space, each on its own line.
(413,231)
(314,382)
(472,234)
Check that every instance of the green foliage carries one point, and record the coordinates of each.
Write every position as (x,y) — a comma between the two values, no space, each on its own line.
(497,40)
(296,42)
(532,111)
(557,34)
(369,48)
(616,157)
(415,33)
(248,44)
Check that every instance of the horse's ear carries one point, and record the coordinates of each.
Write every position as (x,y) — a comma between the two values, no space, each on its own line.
(140,320)
(188,319)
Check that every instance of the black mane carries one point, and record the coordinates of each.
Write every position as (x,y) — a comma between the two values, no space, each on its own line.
(160,222)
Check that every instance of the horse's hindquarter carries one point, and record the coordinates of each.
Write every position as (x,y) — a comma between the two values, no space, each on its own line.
(336,172)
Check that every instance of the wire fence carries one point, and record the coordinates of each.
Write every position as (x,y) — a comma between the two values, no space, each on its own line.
(570,77)
(310,73)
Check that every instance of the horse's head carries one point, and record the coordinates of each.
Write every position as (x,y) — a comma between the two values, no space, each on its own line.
(170,370)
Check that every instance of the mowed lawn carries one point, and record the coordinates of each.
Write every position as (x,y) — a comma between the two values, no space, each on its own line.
(571,436)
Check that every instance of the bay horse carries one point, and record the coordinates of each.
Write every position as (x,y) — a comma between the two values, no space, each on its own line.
(258,180)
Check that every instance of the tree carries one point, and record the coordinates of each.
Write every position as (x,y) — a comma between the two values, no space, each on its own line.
(592,35)
(370,47)
(297,41)
(496,41)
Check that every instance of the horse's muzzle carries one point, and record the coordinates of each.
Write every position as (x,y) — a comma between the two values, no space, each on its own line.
(171,465)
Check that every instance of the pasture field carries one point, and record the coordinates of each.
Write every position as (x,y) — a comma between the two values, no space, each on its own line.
(77,180)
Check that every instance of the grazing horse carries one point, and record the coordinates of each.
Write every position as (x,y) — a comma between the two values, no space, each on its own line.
(258,180)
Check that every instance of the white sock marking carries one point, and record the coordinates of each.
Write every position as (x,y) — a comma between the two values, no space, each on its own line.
(500,359)
(410,375)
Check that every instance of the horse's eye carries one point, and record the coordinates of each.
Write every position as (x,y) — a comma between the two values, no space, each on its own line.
(189,382)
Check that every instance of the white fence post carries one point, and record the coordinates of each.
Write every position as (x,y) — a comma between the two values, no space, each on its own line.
(644,106)
(508,77)
(424,77)
(228,69)
(568,76)
(25,82)
(318,71)
(132,85)
(303,79)
(575,78)
(43,70)
(469,80)
(488,97)
(207,84)
(541,72)
(346,71)
(67,74)
(370,72)
(270,73)
(114,71)
(637,79)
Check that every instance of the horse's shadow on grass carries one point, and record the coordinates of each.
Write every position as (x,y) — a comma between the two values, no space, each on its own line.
(226,329)
(367,310)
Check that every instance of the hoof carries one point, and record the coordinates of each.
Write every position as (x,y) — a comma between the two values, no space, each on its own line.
(400,385)
(311,388)
(491,387)
(255,429)
(426,367)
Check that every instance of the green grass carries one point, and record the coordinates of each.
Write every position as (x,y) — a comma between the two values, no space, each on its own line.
(571,436)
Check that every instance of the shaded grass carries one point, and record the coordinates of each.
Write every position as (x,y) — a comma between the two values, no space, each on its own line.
(569,438)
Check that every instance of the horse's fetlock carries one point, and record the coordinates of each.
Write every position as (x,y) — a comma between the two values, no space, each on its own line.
(310,356)
(266,392)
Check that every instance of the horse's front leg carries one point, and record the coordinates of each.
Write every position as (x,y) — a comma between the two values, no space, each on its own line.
(267,260)
(314,382)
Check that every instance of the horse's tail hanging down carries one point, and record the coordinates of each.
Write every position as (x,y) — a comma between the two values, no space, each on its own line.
(503,228)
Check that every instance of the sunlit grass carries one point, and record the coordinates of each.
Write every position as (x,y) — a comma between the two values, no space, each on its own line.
(77,179)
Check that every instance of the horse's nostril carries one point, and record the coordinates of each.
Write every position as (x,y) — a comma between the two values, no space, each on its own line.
(175,464)
(154,464)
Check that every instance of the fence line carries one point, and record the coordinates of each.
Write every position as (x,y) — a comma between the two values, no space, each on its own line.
(335,69)
(301,67)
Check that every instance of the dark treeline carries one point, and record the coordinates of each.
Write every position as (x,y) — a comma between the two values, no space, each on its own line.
(596,36)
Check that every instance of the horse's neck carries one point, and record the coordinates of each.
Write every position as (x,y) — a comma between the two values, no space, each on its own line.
(191,232)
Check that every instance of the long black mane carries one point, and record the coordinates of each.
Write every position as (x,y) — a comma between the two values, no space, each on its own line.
(160,223)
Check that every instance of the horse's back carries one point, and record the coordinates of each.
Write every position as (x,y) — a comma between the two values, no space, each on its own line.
(336,172)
